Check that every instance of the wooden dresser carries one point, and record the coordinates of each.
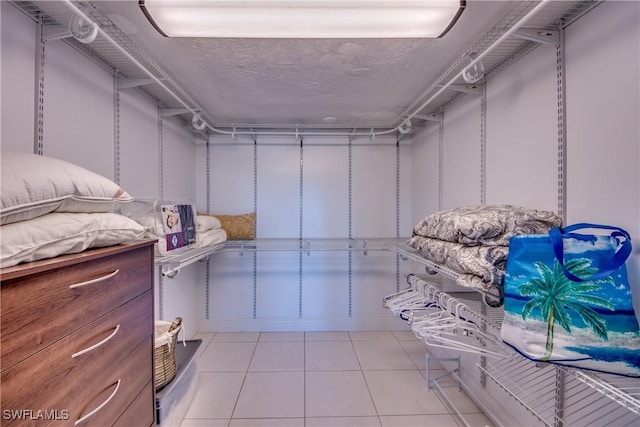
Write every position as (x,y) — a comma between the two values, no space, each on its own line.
(77,339)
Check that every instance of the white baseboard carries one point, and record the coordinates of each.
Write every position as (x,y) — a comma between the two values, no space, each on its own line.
(301,325)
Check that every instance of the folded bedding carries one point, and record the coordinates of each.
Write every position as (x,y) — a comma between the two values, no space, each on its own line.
(473,240)
(478,266)
(205,223)
(211,237)
(485,224)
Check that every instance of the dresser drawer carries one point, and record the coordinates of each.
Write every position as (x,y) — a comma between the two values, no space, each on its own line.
(53,379)
(125,383)
(39,309)
(141,411)
(104,403)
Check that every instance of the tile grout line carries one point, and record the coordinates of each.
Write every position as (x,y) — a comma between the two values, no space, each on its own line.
(244,379)
(306,338)
(373,402)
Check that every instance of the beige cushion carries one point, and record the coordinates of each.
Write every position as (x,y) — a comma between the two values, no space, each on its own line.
(238,227)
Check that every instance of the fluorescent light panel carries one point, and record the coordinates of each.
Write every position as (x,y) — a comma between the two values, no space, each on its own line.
(303,18)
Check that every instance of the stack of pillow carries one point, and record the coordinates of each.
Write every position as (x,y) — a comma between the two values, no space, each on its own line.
(51,207)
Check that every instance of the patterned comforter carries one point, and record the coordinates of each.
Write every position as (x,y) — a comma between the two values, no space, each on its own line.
(479,266)
(473,240)
(485,224)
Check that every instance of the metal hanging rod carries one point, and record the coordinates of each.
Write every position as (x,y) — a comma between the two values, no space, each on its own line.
(173,263)
(492,297)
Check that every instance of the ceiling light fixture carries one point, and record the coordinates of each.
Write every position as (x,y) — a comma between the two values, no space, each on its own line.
(303,19)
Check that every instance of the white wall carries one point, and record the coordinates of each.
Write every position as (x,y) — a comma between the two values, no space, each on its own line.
(139,126)
(603,110)
(461,154)
(78,110)
(425,172)
(522,141)
(305,192)
(602,137)
(17,50)
(79,125)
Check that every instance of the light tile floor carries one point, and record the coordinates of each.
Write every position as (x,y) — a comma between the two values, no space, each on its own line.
(319,379)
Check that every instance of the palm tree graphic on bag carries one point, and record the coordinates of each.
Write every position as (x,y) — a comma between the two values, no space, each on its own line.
(556,296)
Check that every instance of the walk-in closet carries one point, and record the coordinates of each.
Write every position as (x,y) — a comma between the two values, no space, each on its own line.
(307,165)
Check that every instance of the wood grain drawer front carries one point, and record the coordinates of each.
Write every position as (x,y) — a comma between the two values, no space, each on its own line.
(104,405)
(141,412)
(83,363)
(39,309)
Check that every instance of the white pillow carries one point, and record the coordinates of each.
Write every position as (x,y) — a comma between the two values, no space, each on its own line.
(33,185)
(207,222)
(57,233)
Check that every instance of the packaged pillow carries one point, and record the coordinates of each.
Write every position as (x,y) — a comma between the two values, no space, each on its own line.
(33,185)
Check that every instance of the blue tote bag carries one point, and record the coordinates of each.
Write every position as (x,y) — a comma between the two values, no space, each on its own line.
(568,299)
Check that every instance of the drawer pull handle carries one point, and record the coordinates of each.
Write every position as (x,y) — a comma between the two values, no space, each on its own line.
(96,345)
(89,282)
(92,413)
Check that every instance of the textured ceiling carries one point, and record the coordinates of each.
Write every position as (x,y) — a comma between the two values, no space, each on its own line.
(275,81)
(300,82)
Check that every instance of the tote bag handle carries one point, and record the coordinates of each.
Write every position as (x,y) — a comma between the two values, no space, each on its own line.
(610,266)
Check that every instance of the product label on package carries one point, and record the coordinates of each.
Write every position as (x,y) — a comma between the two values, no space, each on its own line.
(179,225)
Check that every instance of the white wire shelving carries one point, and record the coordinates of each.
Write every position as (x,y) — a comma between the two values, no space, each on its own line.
(308,245)
(493,297)
(554,395)
(172,264)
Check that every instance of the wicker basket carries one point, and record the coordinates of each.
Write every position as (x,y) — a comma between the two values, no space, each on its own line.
(165,351)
